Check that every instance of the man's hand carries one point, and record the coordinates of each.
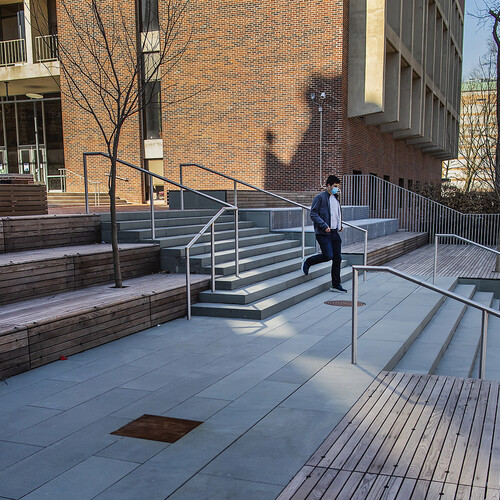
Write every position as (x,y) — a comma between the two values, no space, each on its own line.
(327,230)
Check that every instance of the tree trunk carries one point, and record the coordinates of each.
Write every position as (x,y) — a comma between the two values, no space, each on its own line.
(112,206)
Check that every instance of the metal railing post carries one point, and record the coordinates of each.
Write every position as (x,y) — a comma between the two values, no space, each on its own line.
(303,233)
(212,248)
(235,202)
(484,332)
(365,255)
(152,208)
(85,179)
(182,190)
(434,271)
(354,340)
(236,244)
(188,285)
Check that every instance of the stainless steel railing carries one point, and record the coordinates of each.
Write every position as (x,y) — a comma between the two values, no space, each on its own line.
(484,310)
(454,236)
(416,212)
(211,223)
(97,185)
(274,195)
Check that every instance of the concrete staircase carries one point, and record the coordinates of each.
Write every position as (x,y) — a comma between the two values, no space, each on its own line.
(450,342)
(270,278)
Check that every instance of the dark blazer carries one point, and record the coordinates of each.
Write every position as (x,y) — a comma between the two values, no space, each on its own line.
(320,212)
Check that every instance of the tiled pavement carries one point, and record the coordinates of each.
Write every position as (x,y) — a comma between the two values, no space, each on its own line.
(267,392)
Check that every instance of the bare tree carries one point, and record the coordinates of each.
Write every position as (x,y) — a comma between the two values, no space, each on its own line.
(107,66)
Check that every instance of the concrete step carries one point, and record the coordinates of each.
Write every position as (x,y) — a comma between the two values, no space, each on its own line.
(267,306)
(204,259)
(228,268)
(425,353)
(493,347)
(221,245)
(126,225)
(460,356)
(160,214)
(136,235)
(265,287)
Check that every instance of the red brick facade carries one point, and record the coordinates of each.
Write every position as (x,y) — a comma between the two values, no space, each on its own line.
(243,103)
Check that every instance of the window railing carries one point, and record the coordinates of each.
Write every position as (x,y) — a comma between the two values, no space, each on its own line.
(46,48)
(12,52)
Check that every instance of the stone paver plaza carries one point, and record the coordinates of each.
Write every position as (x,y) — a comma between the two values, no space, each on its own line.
(266,391)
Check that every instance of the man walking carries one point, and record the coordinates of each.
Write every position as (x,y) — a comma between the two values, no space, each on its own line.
(326,215)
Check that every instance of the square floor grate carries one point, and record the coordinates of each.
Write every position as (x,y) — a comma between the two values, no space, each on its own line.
(155,428)
(342,303)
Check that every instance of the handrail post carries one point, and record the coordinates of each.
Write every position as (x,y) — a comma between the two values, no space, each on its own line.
(181,190)
(188,285)
(235,194)
(365,255)
(87,211)
(152,208)
(354,340)
(212,248)
(484,331)
(303,233)
(434,272)
(236,244)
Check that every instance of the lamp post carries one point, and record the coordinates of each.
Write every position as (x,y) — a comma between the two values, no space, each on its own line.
(34,98)
(318,100)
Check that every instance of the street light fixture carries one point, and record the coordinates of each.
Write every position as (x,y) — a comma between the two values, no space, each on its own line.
(318,100)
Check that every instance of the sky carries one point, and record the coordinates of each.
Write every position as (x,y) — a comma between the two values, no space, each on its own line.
(476,37)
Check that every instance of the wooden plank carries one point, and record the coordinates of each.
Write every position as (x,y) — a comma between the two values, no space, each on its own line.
(400,453)
(494,470)
(464,433)
(441,469)
(295,483)
(481,428)
(386,420)
(380,458)
(430,426)
(323,484)
(337,484)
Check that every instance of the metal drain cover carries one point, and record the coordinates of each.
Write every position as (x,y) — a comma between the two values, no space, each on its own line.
(155,428)
(342,303)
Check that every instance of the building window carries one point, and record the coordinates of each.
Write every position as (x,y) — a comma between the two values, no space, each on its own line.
(152,110)
(401,182)
(149,20)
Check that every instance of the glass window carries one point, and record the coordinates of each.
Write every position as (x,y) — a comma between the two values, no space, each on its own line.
(149,15)
(152,110)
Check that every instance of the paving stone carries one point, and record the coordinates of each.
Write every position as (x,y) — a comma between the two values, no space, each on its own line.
(11,453)
(22,418)
(133,449)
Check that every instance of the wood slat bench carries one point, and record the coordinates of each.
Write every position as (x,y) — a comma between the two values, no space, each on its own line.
(48,271)
(39,331)
(386,248)
(410,437)
(22,199)
(18,234)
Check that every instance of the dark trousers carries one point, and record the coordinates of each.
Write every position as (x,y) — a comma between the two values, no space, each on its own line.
(330,244)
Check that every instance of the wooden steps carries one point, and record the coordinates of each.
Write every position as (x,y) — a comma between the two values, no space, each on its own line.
(42,272)
(386,248)
(38,331)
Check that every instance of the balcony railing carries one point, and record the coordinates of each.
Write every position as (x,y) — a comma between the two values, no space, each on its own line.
(12,52)
(46,48)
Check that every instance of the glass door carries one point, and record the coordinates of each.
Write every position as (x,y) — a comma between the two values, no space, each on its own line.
(31,163)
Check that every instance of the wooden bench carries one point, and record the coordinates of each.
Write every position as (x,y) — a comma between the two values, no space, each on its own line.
(31,232)
(42,330)
(22,199)
(44,272)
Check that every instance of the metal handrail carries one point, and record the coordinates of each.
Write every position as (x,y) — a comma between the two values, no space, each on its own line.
(436,242)
(485,310)
(304,207)
(97,187)
(227,206)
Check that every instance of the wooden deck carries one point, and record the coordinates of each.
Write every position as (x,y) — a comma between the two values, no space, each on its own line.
(410,437)
(464,261)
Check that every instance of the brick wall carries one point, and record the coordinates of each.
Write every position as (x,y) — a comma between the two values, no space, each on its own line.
(80,131)
(241,103)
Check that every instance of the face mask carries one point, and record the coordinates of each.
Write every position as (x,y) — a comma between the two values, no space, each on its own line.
(334,190)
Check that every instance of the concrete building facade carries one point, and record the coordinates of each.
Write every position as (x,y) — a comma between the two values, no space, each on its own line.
(278,93)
